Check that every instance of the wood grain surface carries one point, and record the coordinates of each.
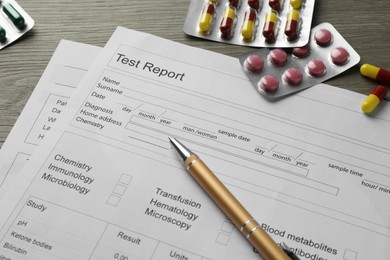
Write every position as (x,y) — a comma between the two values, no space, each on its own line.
(364,24)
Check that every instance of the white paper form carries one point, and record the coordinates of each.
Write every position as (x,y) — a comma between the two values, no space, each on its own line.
(66,68)
(107,185)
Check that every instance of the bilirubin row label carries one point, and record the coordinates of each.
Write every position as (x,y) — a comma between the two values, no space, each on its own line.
(14,22)
(256,23)
(277,72)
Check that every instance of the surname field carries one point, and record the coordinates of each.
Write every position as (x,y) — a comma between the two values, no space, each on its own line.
(77,236)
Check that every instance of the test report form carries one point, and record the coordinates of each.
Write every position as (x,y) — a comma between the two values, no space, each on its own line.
(65,70)
(107,185)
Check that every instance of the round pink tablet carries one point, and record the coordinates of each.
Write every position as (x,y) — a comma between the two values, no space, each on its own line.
(293,76)
(316,68)
(269,84)
(339,56)
(323,37)
(254,63)
(278,57)
(301,52)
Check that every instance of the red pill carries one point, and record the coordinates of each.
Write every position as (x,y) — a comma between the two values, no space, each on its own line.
(291,29)
(301,52)
(274,4)
(227,22)
(269,29)
(293,76)
(269,84)
(323,37)
(339,56)
(254,63)
(277,57)
(255,4)
(316,68)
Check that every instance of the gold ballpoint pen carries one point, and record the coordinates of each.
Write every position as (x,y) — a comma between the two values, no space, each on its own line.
(232,208)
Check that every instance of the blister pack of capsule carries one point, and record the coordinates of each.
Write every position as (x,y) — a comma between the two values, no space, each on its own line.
(255,23)
(14,22)
(276,73)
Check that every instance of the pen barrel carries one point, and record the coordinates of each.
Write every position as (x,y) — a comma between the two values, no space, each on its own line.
(233,209)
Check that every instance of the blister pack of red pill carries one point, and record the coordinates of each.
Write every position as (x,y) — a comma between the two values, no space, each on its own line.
(14,22)
(255,23)
(279,72)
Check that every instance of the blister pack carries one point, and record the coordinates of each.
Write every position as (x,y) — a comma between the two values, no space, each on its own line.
(14,22)
(255,23)
(279,72)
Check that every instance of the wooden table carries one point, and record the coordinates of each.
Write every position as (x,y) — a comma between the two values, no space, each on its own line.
(364,24)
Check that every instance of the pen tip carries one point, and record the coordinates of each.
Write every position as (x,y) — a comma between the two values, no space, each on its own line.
(181,150)
(172,141)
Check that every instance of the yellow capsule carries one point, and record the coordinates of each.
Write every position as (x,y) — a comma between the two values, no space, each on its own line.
(227,22)
(269,29)
(271,17)
(293,15)
(370,103)
(248,26)
(369,70)
(373,100)
(206,19)
(376,73)
(296,4)
(291,29)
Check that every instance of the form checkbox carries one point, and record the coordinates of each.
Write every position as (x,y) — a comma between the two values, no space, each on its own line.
(119,189)
(113,200)
(350,255)
(125,179)
(227,227)
(222,239)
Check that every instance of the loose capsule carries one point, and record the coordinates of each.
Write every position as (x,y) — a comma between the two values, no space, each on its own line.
(14,16)
(248,26)
(227,22)
(255,4)
(269,29)
(3,35)
(375,73)
(296,4)
(291,29)
(373,100)
(206,20)
(274,4)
